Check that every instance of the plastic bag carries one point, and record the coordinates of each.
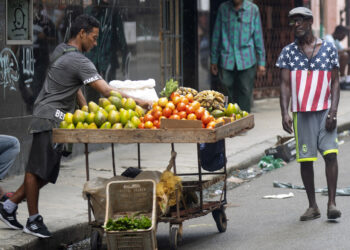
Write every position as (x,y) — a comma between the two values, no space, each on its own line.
(138,90)
(212,155)
(268,163)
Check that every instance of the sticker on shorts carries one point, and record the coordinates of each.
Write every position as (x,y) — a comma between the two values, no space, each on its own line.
(304,148)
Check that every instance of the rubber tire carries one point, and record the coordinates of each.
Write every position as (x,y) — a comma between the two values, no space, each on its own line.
(95,240)
(220,218)
(173,237)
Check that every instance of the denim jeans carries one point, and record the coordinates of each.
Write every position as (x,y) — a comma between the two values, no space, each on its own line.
(9,149)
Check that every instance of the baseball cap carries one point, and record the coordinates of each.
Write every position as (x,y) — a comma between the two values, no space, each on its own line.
(300,11)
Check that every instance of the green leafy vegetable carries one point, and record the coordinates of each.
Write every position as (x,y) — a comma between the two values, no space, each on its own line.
(128,223)
(170,87)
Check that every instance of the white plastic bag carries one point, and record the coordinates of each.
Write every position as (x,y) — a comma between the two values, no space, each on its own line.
(141,90)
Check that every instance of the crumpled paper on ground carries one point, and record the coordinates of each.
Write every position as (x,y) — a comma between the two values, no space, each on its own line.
(278,196)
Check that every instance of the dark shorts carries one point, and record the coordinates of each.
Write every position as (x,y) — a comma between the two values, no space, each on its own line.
(45,157)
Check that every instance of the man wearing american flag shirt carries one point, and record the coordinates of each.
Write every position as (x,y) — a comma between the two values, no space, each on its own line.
(310,80)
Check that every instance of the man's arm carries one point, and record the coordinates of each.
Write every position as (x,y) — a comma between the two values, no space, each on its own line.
(331,121)
(285,94)
(81,99)
(259,43)
(215,43)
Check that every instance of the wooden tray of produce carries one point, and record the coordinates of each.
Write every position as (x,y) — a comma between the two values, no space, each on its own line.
(166,135)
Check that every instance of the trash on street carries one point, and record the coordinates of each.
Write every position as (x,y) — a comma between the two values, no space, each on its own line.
(278,196)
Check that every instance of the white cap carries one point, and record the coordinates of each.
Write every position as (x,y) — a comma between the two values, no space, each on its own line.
(303,11)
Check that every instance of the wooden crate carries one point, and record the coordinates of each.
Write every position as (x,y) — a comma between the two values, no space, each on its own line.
(171,135)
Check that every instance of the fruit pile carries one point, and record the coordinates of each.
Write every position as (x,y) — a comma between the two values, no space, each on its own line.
(211,100)
(177,107)
(114,112)
(186,90)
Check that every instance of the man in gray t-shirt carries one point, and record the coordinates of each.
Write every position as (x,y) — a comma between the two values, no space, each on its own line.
(68,72)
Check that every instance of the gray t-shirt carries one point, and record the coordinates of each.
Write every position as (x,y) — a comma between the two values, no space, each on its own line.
(68,72)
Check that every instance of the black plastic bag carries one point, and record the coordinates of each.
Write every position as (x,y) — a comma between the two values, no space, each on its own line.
(212,155)
(131,172)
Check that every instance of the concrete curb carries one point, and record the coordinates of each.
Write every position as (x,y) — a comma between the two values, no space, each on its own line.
(59,240)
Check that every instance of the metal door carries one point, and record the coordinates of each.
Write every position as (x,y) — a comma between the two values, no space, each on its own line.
(171,37)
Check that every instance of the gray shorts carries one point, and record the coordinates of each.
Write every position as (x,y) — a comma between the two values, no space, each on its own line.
(311,135)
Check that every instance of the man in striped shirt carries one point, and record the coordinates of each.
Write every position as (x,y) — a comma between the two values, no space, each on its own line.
(310,79)
(238,47)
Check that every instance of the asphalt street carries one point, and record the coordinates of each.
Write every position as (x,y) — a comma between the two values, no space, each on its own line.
(256,223)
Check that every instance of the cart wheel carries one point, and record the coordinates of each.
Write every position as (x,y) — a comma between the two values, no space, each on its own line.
(95,240)
(220,219)
(174,237)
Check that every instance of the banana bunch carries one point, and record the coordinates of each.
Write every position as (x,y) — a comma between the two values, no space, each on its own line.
(211,100)
(186,90)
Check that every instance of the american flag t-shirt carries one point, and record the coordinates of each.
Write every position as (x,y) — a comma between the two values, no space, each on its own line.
(310,80)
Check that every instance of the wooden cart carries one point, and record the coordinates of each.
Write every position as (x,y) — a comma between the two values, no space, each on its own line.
(174,135)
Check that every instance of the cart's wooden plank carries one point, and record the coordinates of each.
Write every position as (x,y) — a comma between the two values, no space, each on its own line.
(233,128)
(180,135)
(133,136)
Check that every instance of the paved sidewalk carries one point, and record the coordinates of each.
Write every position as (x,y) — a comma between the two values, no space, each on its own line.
(65,211)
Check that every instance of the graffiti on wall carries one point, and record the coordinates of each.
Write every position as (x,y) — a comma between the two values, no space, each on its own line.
(8,69)
(28,61)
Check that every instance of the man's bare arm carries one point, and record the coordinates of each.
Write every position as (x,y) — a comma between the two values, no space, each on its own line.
(331,121)
(81,99)
(285,94)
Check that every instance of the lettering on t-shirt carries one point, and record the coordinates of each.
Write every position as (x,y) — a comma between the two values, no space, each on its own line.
(91,79)
(59,114)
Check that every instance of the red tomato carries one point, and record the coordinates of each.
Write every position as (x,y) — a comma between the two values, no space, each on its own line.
(189,109)
(167,112)
(149,118)
(159,108)
(154,105)
(170,105)
(157,114)
(189,97)
(199,112)
(148,124)
(181,106)
(176,100)
(184,99)
(162,101)
(183,114)
(191,117)
(173,95)
(141,125)
(156,123)
(175,117)
(206,119)
(211,124)
(196,105)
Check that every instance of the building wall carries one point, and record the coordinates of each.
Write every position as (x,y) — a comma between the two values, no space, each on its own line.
(129,29)
(331,14)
